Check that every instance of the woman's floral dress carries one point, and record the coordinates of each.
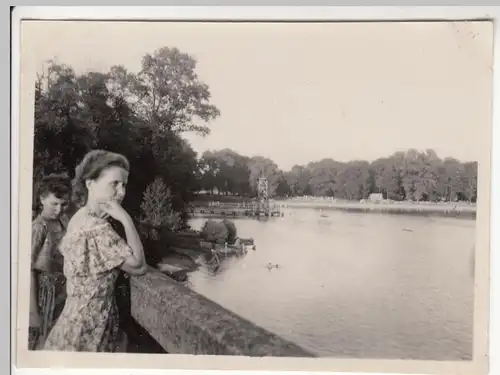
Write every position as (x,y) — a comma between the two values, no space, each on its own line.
(47,262)
(92,251)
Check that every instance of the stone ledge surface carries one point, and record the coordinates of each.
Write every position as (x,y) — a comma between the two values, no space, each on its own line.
(184,322)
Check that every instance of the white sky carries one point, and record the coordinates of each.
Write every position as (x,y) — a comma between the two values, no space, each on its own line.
(302,92)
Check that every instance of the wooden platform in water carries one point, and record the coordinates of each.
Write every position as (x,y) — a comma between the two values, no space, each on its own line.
(234,212)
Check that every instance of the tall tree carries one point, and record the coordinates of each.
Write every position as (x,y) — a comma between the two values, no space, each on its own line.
(167,92)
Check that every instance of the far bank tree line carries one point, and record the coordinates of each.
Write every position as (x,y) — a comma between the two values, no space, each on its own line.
(411,175)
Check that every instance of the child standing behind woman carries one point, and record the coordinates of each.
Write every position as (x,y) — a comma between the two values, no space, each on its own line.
(93,254)
(48,289)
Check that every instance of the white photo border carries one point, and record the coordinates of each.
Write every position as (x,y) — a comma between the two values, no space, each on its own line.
(264,13)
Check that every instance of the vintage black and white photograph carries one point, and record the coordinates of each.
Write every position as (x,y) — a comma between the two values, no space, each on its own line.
(255,189)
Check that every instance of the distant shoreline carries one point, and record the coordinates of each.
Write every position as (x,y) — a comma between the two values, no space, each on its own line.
(447,209)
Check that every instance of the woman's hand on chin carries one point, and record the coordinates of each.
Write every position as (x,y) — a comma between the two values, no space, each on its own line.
(115,210)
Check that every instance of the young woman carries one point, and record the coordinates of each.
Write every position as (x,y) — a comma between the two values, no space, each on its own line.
(93,254)
(48,290)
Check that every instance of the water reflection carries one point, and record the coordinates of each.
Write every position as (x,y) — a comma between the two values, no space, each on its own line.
(353,285)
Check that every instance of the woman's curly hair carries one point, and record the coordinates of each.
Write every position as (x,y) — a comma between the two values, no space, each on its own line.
(90,168)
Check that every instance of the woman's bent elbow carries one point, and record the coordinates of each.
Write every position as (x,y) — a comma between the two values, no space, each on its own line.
(141,271)
(135,270)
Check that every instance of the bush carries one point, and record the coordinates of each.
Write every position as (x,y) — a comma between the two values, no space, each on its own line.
(214,232)
(156,207)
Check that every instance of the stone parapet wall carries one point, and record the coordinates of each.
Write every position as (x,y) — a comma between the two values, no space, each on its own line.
(184,322)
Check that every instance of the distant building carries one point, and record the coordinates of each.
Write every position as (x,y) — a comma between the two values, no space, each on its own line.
(376,197)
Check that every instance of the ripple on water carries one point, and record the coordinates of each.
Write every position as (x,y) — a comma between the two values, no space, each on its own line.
(354,285)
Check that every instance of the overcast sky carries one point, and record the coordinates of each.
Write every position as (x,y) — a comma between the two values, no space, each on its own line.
(302,92)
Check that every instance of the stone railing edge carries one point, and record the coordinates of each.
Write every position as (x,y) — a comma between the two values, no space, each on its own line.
(185,322)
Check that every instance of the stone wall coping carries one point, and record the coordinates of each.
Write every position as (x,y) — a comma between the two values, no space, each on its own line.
(185,322)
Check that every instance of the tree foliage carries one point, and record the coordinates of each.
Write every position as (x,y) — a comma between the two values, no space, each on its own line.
(167,92)
(156,207)
(140,115)
(410,175)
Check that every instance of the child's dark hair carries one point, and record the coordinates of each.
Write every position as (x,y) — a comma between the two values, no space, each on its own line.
(56,184)
(90,168)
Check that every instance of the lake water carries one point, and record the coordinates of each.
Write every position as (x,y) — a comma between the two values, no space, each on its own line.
(354,285)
